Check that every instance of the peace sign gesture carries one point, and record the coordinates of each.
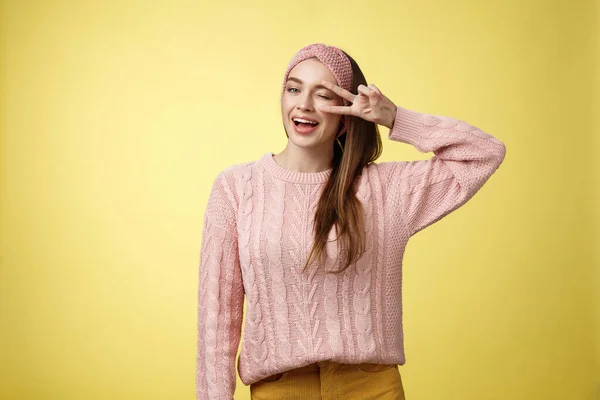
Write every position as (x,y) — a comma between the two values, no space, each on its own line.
(369,104)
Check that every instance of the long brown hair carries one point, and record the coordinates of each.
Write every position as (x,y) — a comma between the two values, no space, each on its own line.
(358,146)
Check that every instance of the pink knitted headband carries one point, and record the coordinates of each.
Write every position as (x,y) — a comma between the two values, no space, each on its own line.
(334,59)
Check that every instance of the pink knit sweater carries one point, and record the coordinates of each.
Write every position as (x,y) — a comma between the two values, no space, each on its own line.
(258,230)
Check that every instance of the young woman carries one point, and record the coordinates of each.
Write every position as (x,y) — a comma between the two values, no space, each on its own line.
(314,238)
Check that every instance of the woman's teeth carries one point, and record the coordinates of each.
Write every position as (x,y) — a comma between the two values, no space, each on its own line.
(298,120)
(304,127)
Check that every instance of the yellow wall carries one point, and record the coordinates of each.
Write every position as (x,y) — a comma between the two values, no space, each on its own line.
(116,117)
(596,208)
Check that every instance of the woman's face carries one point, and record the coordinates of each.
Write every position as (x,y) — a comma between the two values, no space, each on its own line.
(302,96)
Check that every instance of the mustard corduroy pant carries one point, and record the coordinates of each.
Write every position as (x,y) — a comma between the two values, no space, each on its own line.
(328,380)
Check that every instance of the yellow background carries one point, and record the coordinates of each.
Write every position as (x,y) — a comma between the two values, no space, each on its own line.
(117,116)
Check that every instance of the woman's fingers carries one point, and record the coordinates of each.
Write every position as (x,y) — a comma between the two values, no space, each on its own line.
(374,98)
(364,90)
(372,94)
(371,91)
(343,93)
(344,110)
(373,87)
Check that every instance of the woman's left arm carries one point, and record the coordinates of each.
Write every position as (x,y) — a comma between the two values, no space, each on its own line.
(464,158)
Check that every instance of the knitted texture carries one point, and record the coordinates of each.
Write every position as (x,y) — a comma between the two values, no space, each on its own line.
(335,60)
(258,231)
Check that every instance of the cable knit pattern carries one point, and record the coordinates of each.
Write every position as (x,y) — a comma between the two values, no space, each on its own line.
(279,290)
(362,281)
(346,304)
(305,288)
(257,233)
(254,318)
(258,264)
(380,243)
(220,297)
(330,291)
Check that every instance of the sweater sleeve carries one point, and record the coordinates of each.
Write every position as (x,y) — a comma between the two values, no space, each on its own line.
(464,159)
(220,297)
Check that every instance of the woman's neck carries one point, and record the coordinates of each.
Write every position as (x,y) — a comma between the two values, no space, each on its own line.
(304,160)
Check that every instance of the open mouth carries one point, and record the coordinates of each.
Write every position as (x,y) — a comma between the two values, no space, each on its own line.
(304,123)
(304,126)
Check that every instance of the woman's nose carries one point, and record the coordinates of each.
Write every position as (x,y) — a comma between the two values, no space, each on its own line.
(305,103)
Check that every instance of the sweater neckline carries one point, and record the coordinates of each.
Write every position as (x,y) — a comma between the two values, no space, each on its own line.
(270,165)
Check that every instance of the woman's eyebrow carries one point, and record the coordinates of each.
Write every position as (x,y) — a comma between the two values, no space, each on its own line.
(318,86)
